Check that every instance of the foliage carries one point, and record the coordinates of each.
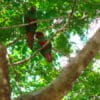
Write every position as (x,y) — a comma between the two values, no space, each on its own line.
(37,73)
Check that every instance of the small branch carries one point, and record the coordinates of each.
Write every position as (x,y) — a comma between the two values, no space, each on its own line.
(36,52)
(26,24)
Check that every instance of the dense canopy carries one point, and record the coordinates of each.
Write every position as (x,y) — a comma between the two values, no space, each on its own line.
(59,20)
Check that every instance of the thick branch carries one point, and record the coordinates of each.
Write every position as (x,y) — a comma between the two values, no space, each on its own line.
(58,88)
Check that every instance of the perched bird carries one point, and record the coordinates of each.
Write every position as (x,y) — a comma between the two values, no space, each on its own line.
(30,17)
(46,51)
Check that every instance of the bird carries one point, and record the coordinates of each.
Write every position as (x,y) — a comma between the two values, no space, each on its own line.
(30,17)
(46,51)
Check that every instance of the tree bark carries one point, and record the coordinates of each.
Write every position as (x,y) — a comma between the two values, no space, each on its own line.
(4,79)
(60,87)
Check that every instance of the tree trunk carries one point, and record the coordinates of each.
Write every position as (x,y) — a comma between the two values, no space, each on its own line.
(4,79)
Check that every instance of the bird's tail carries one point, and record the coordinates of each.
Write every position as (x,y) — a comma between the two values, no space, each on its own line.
(46,51)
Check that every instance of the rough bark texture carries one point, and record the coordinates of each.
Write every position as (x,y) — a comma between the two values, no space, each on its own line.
(4,79)
(59,87)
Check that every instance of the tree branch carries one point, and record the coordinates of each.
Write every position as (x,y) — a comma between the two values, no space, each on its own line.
(60,87)
(26,24)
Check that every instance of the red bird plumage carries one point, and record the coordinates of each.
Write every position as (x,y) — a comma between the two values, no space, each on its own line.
(30,40)
(46,51)
(31,28)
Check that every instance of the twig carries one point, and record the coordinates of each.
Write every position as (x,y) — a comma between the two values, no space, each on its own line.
(26,24)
